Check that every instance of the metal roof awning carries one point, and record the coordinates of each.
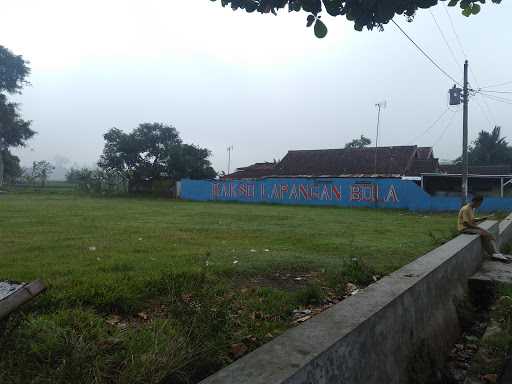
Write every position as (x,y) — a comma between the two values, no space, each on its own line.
(469,175)
(503,179)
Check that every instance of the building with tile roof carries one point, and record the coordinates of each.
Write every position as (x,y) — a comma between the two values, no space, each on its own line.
(394,161)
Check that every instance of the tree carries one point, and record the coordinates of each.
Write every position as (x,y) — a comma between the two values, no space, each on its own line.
(364,13)
(154,151)
(14,131)
(362,142)
(13,71)
(489,148)
(12,168)
(41,170)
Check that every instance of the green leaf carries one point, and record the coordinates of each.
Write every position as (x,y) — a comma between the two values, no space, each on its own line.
(467,12)
(311,20)
(475,9)
(358,27)
(320,29)
(453,3)
(251,6)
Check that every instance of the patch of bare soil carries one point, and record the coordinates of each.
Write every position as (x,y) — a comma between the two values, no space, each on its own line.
(288,281)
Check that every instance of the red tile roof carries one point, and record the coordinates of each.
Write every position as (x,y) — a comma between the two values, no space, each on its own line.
(391,161)
(253,171)
(425,153)
(348,161)
(420,166)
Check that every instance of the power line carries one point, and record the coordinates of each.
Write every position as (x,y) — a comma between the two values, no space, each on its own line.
(483,111)
(500,101)
(457,64)
(497,98)
(430,126)
(425,54)
(497,91)
(484,100)
(445,129)
(497,85)
(459,41)
(455,33)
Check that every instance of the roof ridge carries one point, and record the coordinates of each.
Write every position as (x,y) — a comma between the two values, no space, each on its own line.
(363,148)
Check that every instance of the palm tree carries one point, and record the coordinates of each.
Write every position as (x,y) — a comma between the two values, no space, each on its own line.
(490,148)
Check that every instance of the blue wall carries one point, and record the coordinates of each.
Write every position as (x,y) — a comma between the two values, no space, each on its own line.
(378,193)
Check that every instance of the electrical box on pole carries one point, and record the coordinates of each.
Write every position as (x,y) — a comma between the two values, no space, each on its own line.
(455,95)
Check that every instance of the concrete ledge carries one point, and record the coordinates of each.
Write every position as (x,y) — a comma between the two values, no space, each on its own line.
(505,231)
(370,337)
(494,271)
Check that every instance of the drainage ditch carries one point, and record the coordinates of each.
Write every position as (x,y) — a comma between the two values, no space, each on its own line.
(482,353)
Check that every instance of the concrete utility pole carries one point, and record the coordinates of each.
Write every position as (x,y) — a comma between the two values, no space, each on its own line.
(380,105)
(230,148)
(465,99)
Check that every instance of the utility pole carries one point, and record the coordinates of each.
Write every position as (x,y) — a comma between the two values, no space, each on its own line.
(230,148)
(380,105)
(465,100)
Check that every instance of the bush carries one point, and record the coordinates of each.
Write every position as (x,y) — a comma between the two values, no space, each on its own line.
(98,181)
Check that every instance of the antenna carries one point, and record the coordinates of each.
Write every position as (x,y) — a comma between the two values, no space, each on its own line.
(380,105)
(230,148)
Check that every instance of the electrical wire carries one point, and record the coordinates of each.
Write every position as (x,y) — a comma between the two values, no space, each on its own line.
(489,111)
(455,32)
(454,56)
(457,64)
(489,91)
(445,128)
(426,54)
(485,102)
(430,126)
(483,110)
(497,85)
(497,98)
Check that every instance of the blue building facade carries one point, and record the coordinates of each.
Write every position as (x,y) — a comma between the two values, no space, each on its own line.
(346,192)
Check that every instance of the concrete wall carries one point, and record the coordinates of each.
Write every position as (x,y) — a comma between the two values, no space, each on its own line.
(348,192)
(370,338)
(505,231)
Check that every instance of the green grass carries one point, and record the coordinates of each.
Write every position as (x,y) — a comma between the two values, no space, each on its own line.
(50,187)
(496,345)
(188,267)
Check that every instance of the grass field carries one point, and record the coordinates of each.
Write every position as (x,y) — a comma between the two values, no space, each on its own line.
(160,291)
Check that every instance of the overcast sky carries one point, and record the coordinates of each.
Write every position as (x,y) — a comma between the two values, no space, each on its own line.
(261,83)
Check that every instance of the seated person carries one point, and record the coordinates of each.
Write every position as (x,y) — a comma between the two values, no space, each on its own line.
(467,223)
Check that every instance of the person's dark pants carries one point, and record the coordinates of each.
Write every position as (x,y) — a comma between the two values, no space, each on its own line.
(488,240)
